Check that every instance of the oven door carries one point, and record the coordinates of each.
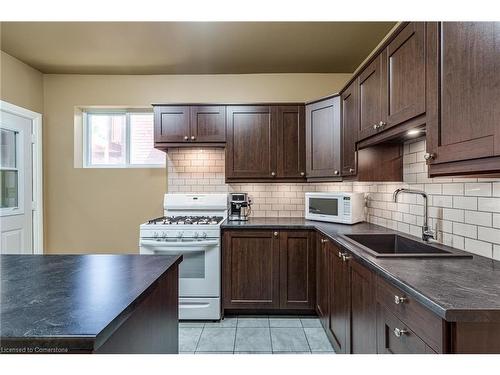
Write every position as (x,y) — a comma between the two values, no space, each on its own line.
(199,271)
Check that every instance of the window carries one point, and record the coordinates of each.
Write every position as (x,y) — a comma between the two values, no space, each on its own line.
(120,139)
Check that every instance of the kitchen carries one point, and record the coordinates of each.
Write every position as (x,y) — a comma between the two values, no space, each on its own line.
(304,212)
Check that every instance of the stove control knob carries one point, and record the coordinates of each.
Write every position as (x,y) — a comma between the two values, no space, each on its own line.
(196,234)
(204,235)
(179,234)
(155,234)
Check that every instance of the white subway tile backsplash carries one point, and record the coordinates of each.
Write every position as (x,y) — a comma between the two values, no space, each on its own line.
(466,203)
(465,212)
(479,247)
(489,204)
(496,220)
(478,218)
(489,234)
(478,189)
(453,189)
(466,230)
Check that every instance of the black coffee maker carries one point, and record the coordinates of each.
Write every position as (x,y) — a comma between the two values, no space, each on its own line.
(240,206)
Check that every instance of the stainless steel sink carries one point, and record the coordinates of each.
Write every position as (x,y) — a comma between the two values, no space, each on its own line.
(388,245)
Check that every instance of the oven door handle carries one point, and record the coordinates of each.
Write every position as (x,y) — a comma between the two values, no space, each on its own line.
(178,244)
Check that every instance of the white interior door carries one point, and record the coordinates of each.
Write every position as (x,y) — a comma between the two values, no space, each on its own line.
(16,184)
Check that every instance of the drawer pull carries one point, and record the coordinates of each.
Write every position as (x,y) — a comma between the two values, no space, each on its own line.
(399,300)
(345,257)
(323,240)
(398,332)
(340,254)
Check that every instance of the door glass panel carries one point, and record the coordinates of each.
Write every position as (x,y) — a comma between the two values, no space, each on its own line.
(192,265)
(9,190)
(9,175)
(7,148)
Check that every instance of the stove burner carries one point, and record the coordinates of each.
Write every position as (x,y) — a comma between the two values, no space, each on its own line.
(187,220)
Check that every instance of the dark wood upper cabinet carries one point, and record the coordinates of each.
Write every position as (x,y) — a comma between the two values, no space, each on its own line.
(291,141)
(350,125)
(323,138)
(251,142)
(171,124)
(370,88)
(251,270)
(404,76)
(463,121)
(297,276)
(208,123)
(265,143)
(182,126)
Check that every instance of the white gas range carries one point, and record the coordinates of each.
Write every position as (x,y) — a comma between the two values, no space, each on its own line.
(191,227)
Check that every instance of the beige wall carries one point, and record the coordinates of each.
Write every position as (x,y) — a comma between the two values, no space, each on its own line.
(99,210)
(20,84)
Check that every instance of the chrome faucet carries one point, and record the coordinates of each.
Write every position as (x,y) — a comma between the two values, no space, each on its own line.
(427,233)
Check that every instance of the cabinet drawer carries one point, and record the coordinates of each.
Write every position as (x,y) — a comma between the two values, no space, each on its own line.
(417,317)
(395,337)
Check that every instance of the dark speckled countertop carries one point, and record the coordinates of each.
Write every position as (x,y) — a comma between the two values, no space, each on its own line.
(75,297)
(458,289)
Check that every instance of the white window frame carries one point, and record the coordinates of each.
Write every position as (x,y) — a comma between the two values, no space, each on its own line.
(87,136)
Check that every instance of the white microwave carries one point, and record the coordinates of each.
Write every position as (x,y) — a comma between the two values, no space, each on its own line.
(345,208)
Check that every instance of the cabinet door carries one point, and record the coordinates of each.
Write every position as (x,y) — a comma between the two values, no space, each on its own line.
(171,124)
(291,141)
(251,270)
(297,270)
(393,337)
(363,327)
(464,92)
(338,300)
(370,98)
(323,138)
(350,124)
(404,67)
(251,142)
(322,281)
(208,123)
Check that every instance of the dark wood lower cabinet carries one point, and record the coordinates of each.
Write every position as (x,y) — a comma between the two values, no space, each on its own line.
(297,276)
(363,329)
(394,337)
(251,270)
(338,321)
(322,280)
(268,270)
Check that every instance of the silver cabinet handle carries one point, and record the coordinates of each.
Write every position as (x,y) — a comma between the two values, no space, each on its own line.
(381,124)
(398,332)
(351,170)
(345,257)
(275,234)
(273,173)
(335,172)
(399,300)
(323,240)
(186,137)
(375,126)
(340,254)
(193,137)
(430,156)
(302,174)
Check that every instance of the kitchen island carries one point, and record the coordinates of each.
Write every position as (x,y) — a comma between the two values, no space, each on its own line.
(89,304)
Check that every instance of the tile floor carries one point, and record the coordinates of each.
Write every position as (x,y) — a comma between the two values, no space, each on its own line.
(255,334)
